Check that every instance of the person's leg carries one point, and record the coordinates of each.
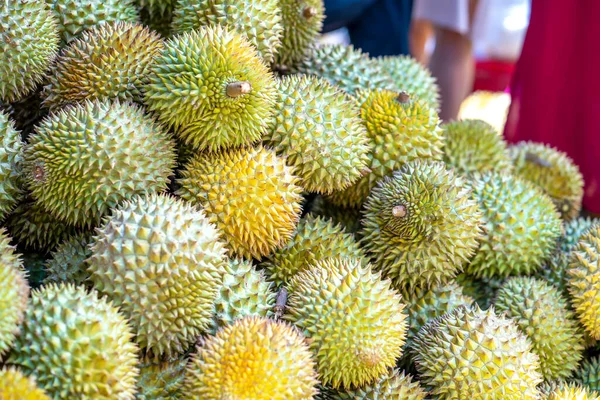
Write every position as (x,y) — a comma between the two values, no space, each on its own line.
(420,32)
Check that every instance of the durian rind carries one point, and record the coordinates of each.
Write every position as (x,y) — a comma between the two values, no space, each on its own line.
(161,380)
(68,261)
(15,386)
(394,385)
(11,158)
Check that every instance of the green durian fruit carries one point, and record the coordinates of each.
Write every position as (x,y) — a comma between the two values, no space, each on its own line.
(68,261)
(34,267)
(34,228)
(355,321)
(157,14)
(410,76)
(14,291)
(11,158)
(573,230)
(521,226)
(258,20)
(250,194)
(553,172)
(212,88)
(315,239)
(473,354)
(161,380)
(394,385)
(588,374)
(244,292)
(421,225)
(86,159)
(400,130)
(571,392)
(15,386)
(583,278)
(345,67)
(167,290)
(77,345)
(482,290)
(347,218)
(473,145)
(542,314)
(28,45)
(109,61)
(555,270)
(302,21)
(77,16)
(254,358)
(317,128)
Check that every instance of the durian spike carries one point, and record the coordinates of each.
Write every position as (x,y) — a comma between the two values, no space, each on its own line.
(236,89)
(309,12)
(403,97)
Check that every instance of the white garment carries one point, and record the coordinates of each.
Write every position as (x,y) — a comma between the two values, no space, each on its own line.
(449,14)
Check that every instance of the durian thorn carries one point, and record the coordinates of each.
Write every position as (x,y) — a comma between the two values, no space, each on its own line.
(534,158)
(235,89)
(280,302)
(309,12)
(399,211)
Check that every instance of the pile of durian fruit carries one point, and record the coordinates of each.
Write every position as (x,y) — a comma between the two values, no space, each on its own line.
(200,201)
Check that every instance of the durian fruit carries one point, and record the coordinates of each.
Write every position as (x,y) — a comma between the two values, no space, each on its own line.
(555,270)
(167,289)
(412,77)
(401,130)
(421,225)
(15,386)
(254,358)
(583,278)
(345,67)
(573,230)
(588,374)
(302,21)
(86,159)
(34,228)
(355,321)
(482,290)
(109,61)
(473,145)
(315,239)
(211,86)
(258,20)
(347,218)
(394,385)
(11,158)
(474,354)
(77,16)
(14,291)
(554,172)
(77,345)
(28,45)
(571,392)
(542,313)
(244,292)
(521,226)
(250,194)
(161,380)
(34,267)
(68,261)
(157,14)
(318,129)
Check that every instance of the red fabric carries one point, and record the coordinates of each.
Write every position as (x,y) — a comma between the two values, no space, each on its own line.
(556,86)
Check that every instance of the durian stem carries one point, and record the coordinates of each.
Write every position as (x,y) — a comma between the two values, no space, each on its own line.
(280,302)
(403,97)
(309,12)
(399,211)
(38,173)
(235,89)
(534,158)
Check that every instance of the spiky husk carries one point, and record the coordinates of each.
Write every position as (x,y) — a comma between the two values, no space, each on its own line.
(157,14)
(347,218)
(302,22)
(588,374)
(555,270)
(394,385)
(161,380)
(189,86)
(254,358)
(583,277)
(473,145)
(68,261)
(14,291)
(244,292)
(482,290)
(315,239)
(250,194)
(77,16)
(345,67)
(542,313)
(355,321)
(521,226)
(28,45)
(15,386)
(168,288)
(410,76)
(421,225)
(258,20)
(553,172)
(571,392)
(77,345)
(109,61)
(573,230)
(474,354)
(86,159)
(11,158)
(319,131)
(400,130)
(34,266)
